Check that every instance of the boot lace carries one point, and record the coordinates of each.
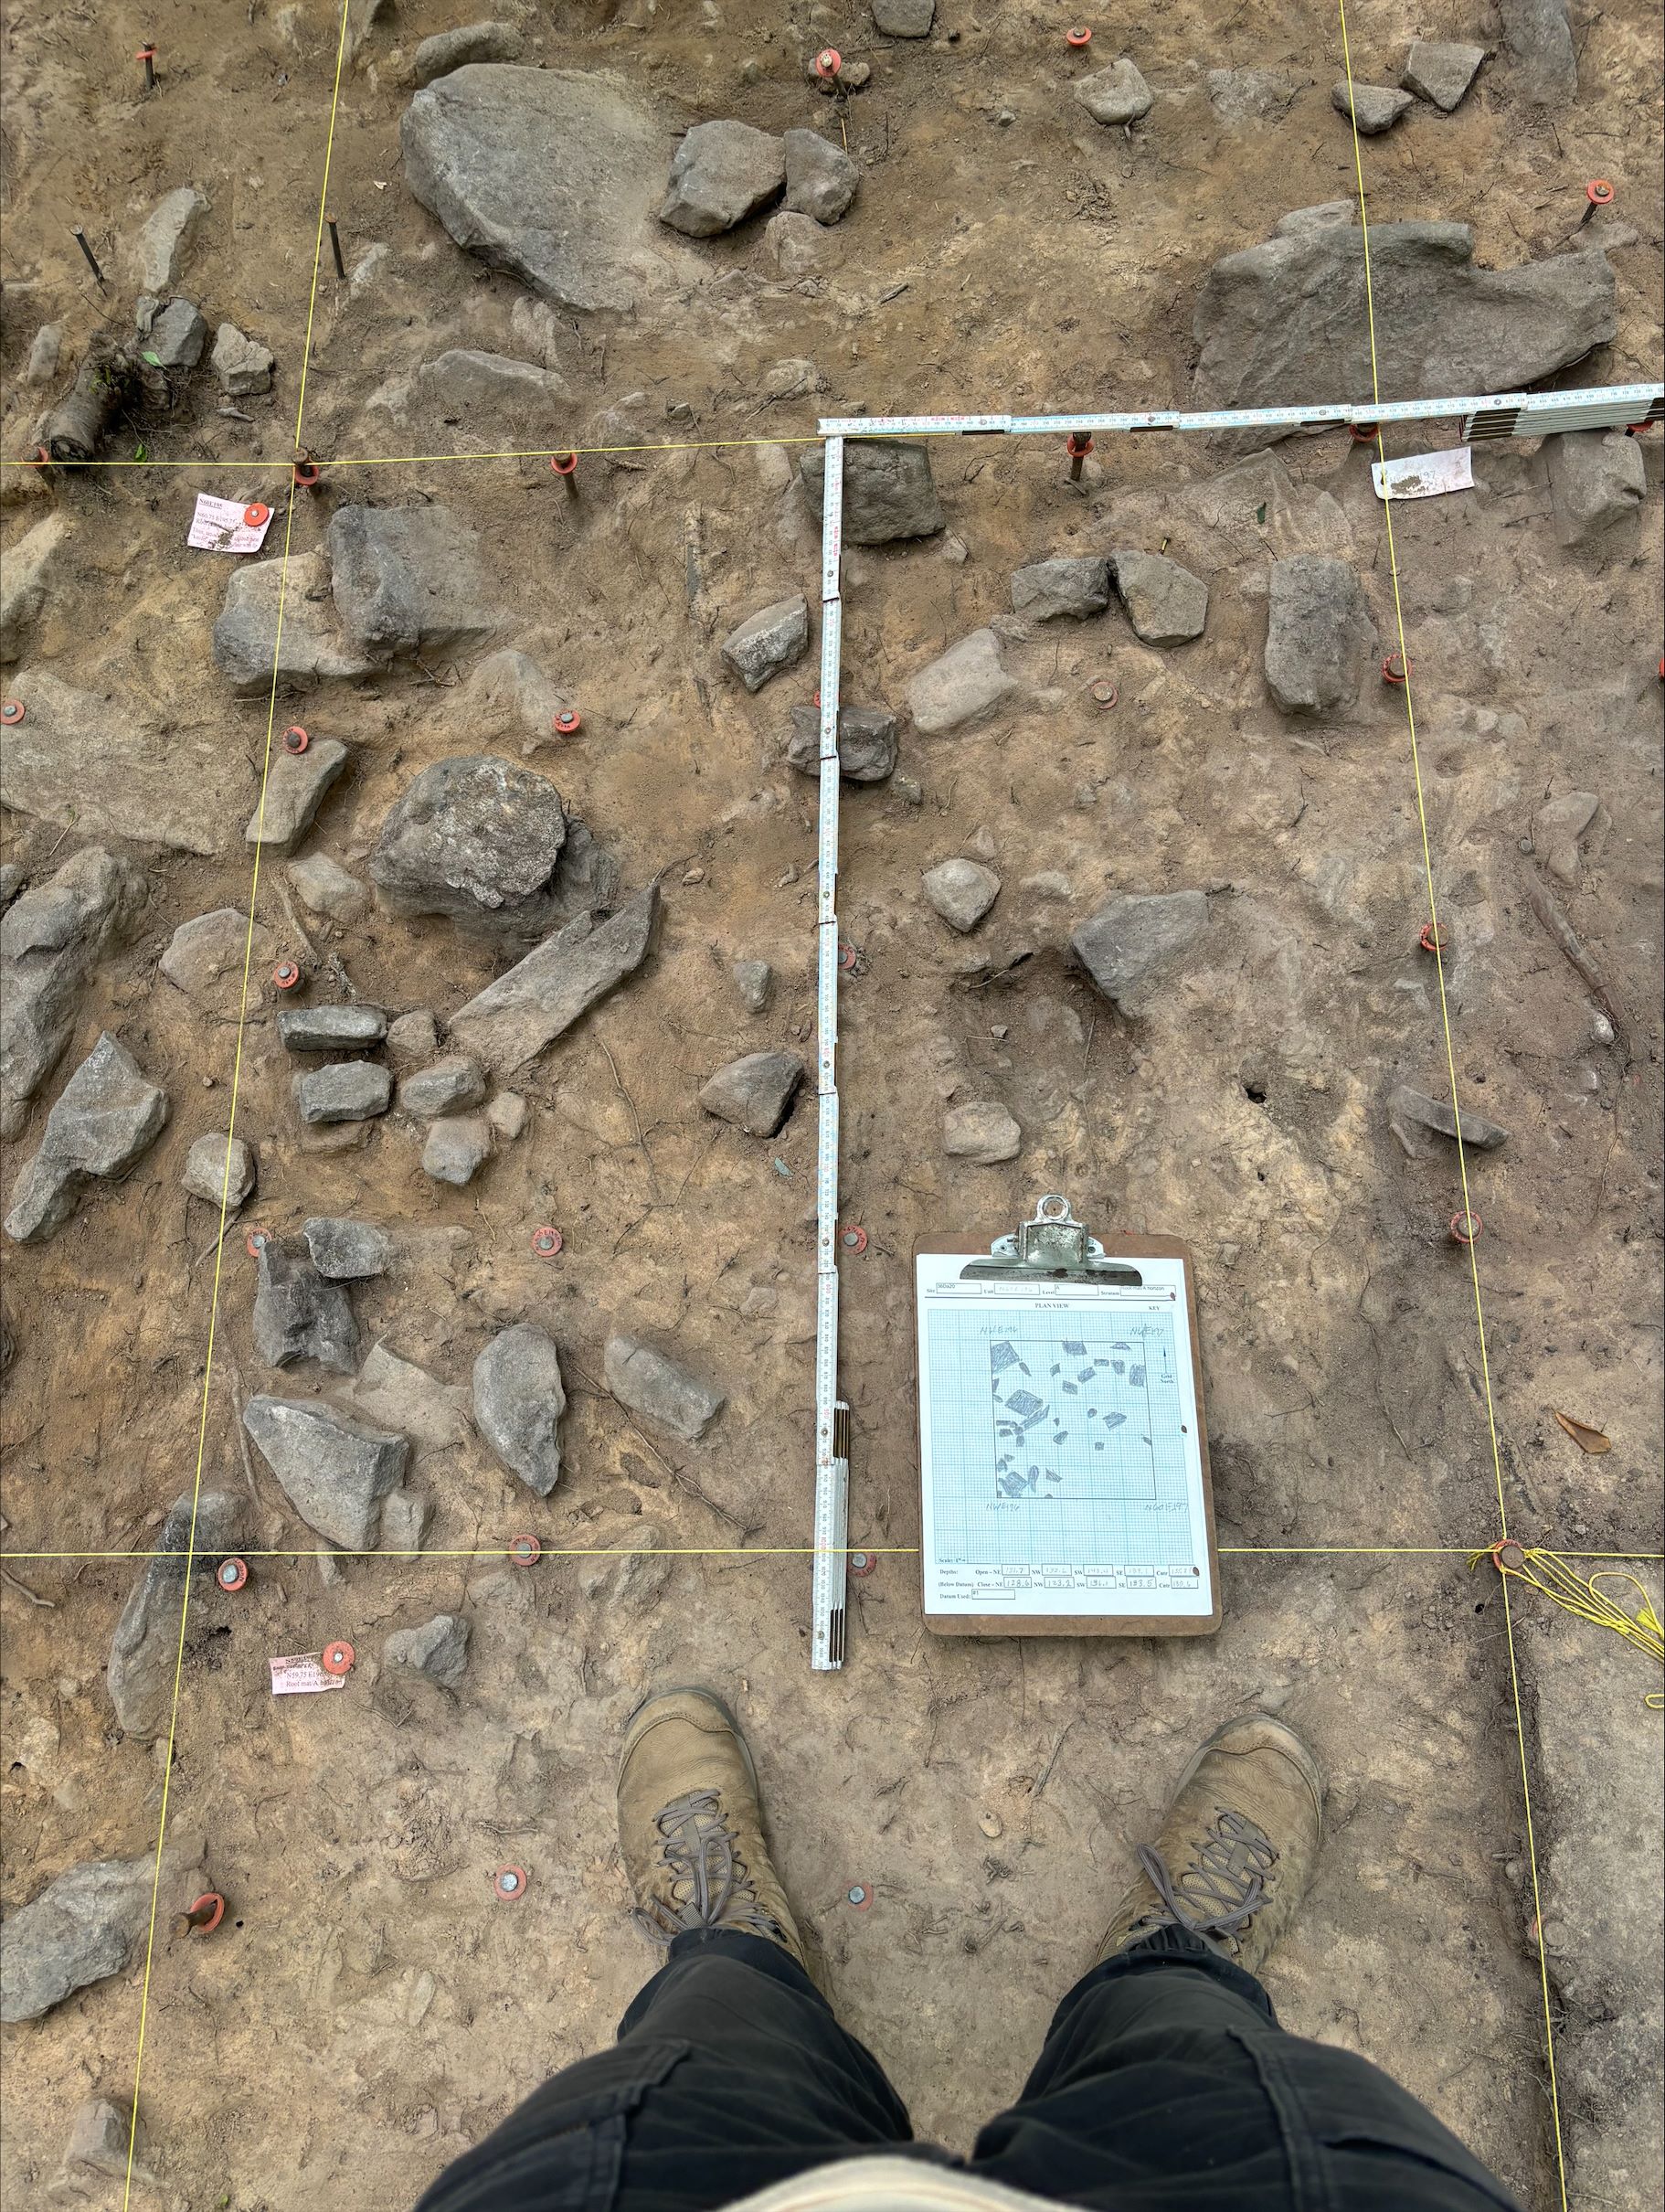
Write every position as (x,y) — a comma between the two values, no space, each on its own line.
(1220,1892)
(709,1885)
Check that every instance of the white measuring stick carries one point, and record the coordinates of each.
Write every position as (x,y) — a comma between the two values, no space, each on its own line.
(1498,415)
(830,1584)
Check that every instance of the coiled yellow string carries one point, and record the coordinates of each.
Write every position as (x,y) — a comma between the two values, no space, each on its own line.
(1548,1572)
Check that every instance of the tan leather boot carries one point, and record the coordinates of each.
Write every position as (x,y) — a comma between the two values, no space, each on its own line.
(1237,1846)
(690,1825)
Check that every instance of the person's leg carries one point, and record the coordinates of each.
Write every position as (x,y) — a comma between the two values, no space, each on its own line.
(1166,2082)
(730,2071)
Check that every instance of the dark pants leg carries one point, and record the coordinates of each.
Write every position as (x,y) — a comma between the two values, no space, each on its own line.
(1166,2085)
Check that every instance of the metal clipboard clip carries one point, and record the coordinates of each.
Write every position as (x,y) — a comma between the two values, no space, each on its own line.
(1052,1244)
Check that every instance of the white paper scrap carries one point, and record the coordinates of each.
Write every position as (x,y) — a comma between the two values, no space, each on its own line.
(228,526)
(1424,475)
(300,1675)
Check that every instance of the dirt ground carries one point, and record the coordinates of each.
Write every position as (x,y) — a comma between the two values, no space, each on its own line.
(989,1794)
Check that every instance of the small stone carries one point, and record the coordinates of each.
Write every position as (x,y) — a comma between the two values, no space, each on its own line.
(439,1649)
(867,743)
(414,1039)
(722,173)
(457,1148)
(519,1398)
(889,491)
(242,364)
(512,1020)
(1416,1109)
(821,178)
(983,1133)
(767,642)
(394,1393)
(1241,96)
(1374,108)
(1597,479)
(334,1472)
(454,50)
(961,891)
(1133,941)
(509,694)
(24,579)
(1439,71)
(1050,883)
(346,1090)
(794,245)
(1042,589)
(345,1250)
(1556,828)
(755,1093)
(1165,603)
(632,1584)
(88,1923)
(405,1519)
(1318,633)
(100,2140)
(507,1114)
(294,791)
(1543,63)
(177,338)
(51,938)
(205,1170)
(206,956)
(160,242)
(407,579)
(106,1116)
(308,649)
(964,685)
(331,1028)
(753,979)
(443,1087)
(298,1314)
(1116,95)
(144,1651)
(905,19)
(324,887)
(43,355)
(658,1389)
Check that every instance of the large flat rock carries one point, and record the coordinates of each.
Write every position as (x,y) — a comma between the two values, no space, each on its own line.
(512,1020)
(1284,323)
(554,176)
(311,646)
(86,758)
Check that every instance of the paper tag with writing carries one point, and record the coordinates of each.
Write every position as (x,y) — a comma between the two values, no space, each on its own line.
(298,1675)
(1424,475)
(228,526)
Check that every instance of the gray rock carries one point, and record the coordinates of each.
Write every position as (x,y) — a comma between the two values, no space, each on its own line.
(414,1039)
(213,1170)
(47,345)
(97,763)
(345,1250)
(905,19)
(512,1020)
(51,938)
(1119,94)
(177,336)
(205,958)
(331,1028)
(439,1649)
(492,395)
(964,685)
(867,743)
(1165,603)
(1556,828)
(160,248)
(795,246)
(769,641)
(821,178)
(1437,71)
(13,878)
(312,649)
(457,1148)
(295,786)
(474,836)
(446,1087)
(507,1115)
(334,1472)
(346,1090)
(981,1133)
(962,891)
(405,1519)
(633,1583)
(1240,96)
(509,694)
(106,1116)
(98,2154)
(519,1398)
(1319,633)
(144,1653)
(407,579)
(1374,108)
(755,1093)
(1072,585)
(393,1393)
(753,979)
(1289,316)
(242,364)
(889,491)
(659,1390)
(1538,40)
(88,1923)
(23,582)
(548,173)
(448,50)
(324,887)
(1408,1108)
(1595,478)
(721,173)
(1134,941)
(298,1314)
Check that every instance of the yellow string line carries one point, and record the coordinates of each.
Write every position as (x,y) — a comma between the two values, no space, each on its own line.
(406,461)
(786,1551)
(225,1194)
(1462,1164)
(1549,1573)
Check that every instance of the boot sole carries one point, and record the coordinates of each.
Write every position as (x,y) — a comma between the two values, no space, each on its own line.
(694,1689)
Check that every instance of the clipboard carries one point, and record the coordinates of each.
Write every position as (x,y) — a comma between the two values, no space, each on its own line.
(1064,1481)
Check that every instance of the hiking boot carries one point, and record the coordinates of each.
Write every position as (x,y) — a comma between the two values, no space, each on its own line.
(690,1825)
(1236,1849)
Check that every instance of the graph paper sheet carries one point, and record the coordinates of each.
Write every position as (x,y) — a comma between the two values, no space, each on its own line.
(1061,1453)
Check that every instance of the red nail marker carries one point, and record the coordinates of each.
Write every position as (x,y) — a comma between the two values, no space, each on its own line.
(337,1658)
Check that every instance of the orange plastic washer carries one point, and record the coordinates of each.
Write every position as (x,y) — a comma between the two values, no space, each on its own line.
(828,63)
(1079,37)
(568,722)
(295,739)
(1464,1228)
(1599,192)
(524,1551)
(256,515)
(509,1885)
(286,975)
(204,1914)
(255,1242)
(12,712)
(337,1658)
(564,464)
(231,1574)
(547,1242)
